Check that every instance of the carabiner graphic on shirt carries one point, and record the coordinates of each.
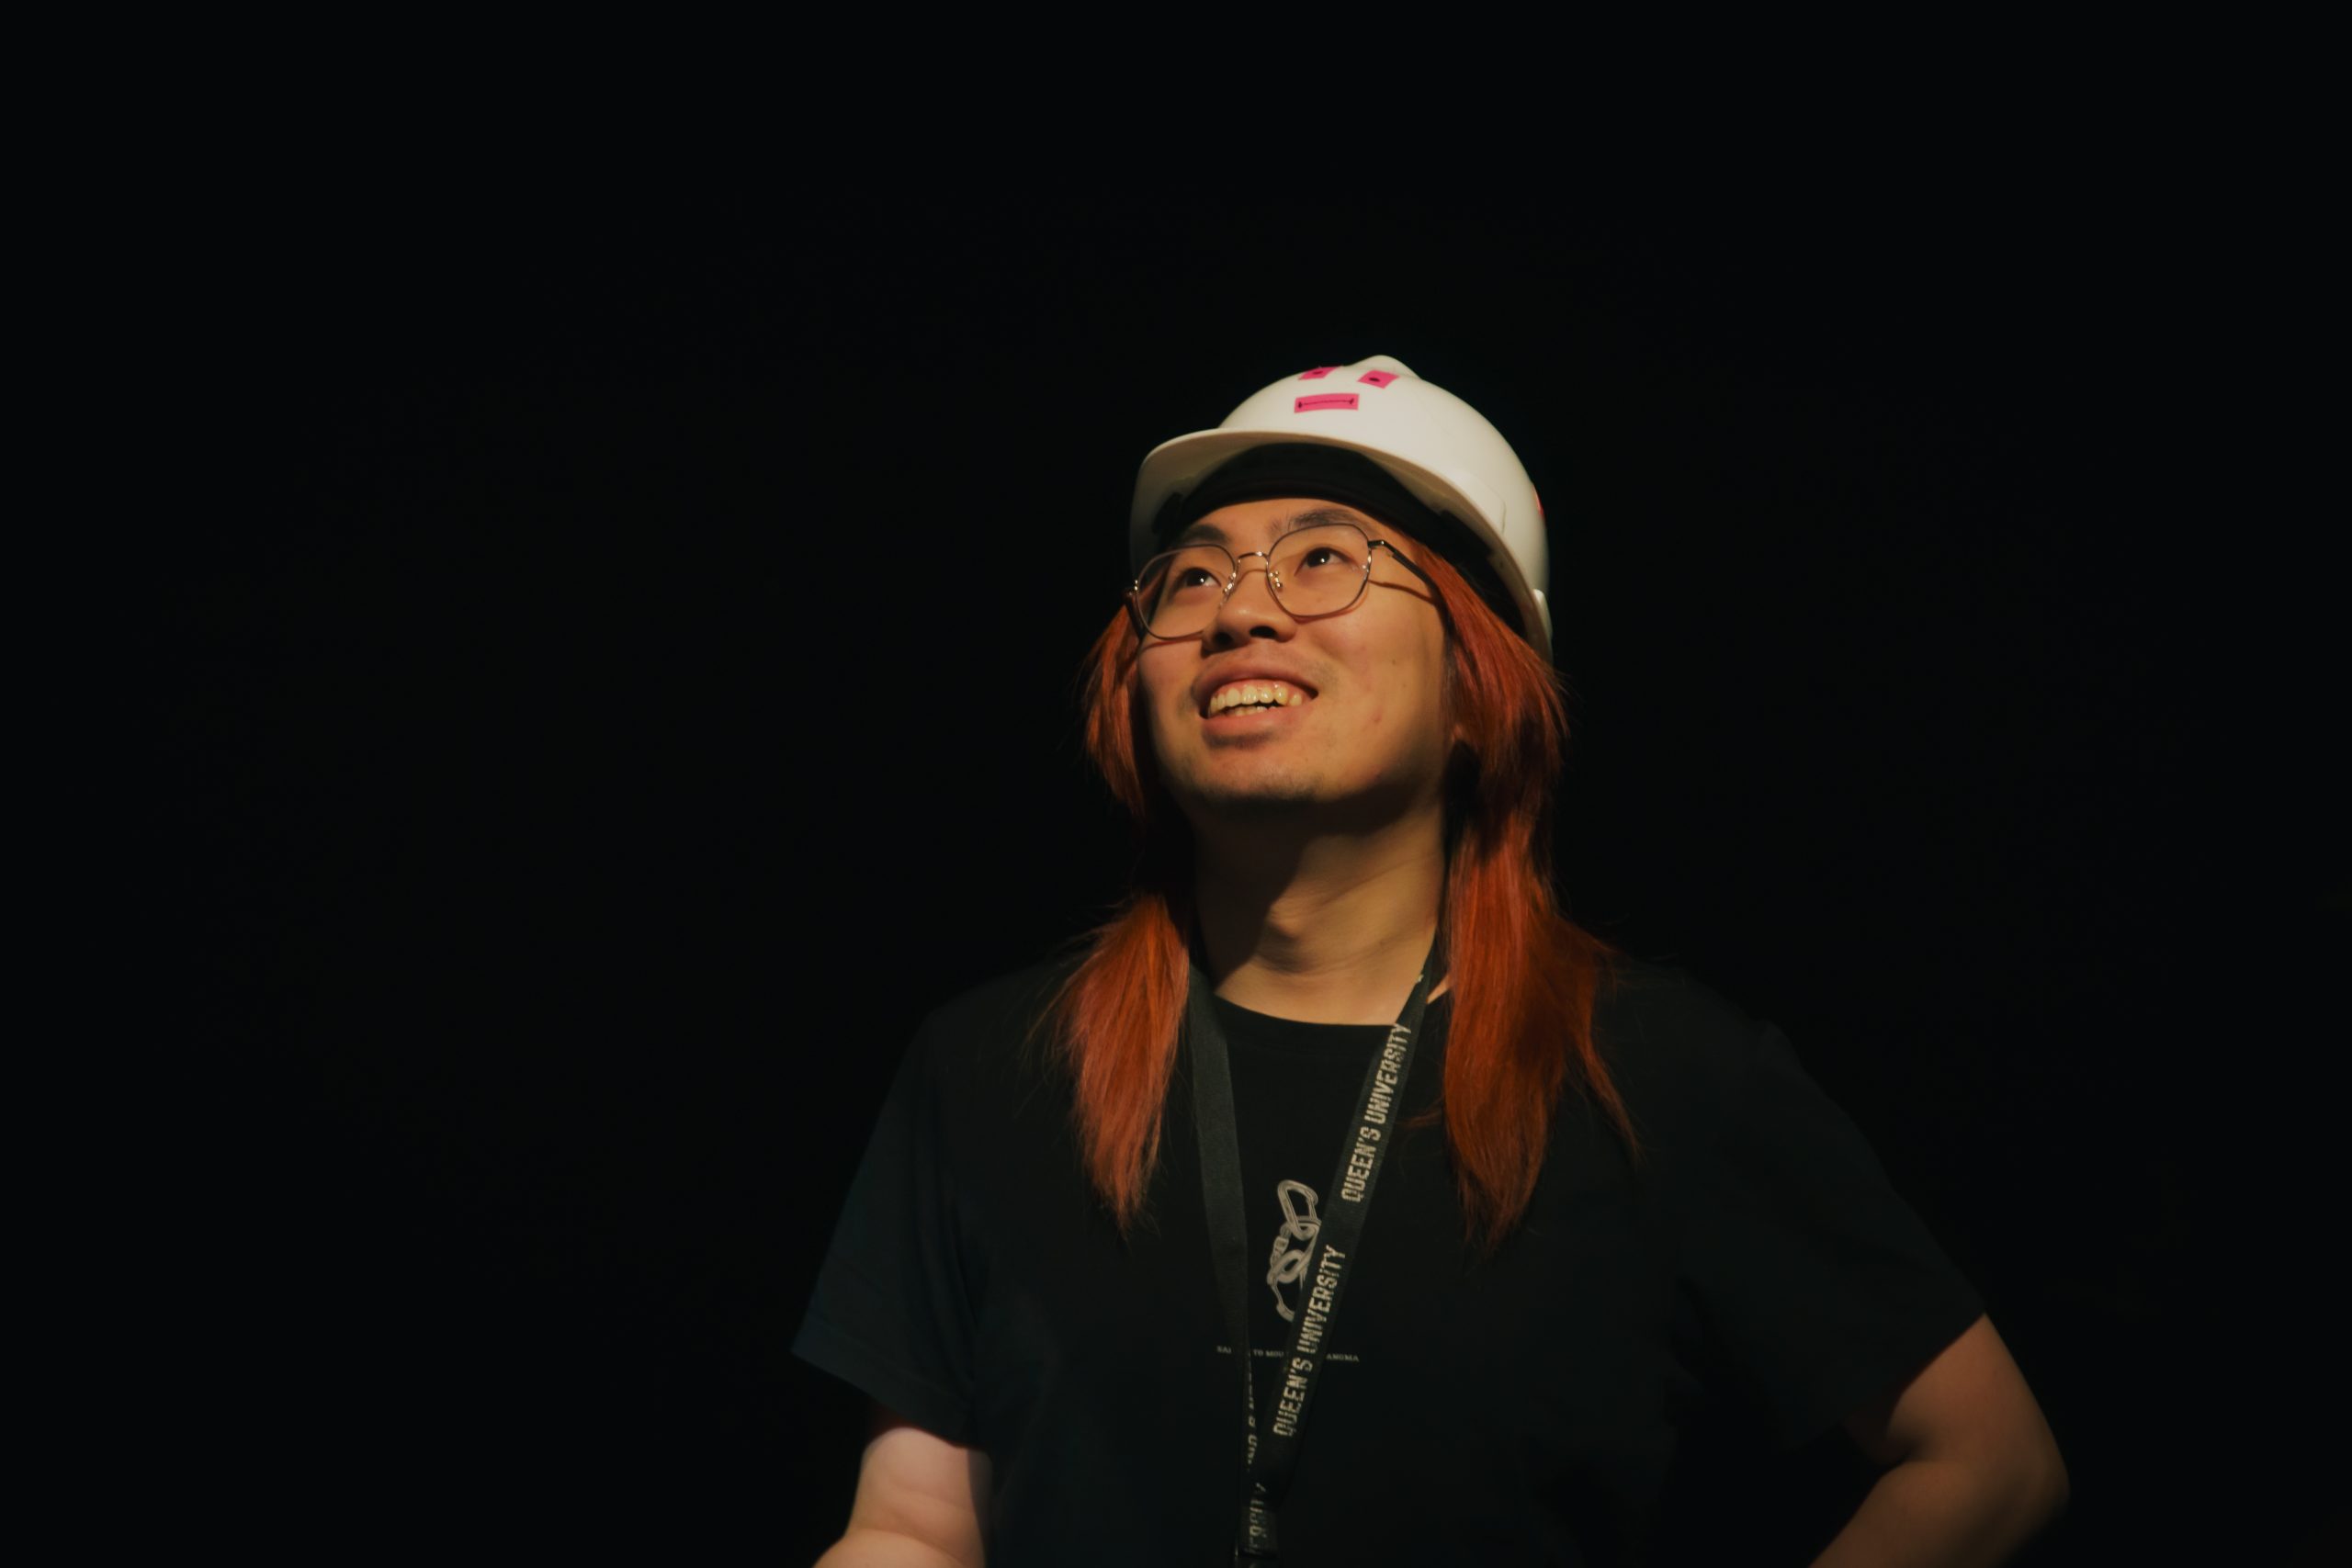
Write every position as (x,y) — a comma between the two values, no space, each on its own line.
(1300,1224)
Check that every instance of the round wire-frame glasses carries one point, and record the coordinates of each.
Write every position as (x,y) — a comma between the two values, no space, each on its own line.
(1317,570)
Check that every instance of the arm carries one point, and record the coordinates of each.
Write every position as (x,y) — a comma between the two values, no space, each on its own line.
(1975,1470)
(921,1502)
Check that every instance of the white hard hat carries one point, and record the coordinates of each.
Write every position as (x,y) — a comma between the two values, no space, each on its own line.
(1440,448)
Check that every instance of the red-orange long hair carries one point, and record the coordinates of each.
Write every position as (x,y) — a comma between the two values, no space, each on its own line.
(1523,977)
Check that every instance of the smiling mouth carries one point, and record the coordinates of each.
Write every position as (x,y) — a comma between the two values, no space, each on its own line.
(1255,696)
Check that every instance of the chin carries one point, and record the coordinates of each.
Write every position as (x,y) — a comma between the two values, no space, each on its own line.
(1271,793)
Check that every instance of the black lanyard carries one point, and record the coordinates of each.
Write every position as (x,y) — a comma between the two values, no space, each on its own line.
(1331,1262)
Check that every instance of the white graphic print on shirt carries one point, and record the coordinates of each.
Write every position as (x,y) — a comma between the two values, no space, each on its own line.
(1300,1225)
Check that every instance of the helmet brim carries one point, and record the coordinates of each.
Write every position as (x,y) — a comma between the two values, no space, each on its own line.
(1176,466)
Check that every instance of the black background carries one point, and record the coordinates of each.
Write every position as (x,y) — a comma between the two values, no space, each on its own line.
(634,683)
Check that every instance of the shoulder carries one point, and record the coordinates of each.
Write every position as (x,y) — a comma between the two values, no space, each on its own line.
(1678,1050)
(994,1032)
(1008,1000)
(1009,1003)
(1661,1014)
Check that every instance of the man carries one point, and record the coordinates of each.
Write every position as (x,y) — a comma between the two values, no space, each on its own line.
(1101,1190)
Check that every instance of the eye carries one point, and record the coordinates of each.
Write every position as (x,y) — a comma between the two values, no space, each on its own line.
(1321,555)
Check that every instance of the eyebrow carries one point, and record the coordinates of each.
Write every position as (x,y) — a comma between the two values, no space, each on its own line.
(1307,519)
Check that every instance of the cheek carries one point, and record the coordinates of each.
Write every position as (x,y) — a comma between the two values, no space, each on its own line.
(1407,703)
(1160,700)
(1416,681)
(1420,704)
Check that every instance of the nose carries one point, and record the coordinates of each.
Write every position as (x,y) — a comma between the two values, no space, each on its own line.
(1251,609)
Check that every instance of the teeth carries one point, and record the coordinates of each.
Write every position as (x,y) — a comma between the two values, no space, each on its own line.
(1255,694)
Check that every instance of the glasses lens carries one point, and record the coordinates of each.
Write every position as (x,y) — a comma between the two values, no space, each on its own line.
(1322,568)
(1178,593)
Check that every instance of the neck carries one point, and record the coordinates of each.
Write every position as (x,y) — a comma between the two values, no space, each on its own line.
(1328,929)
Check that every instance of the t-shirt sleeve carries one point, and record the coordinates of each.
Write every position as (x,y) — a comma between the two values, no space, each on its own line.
(890,1313)
(1815,1286)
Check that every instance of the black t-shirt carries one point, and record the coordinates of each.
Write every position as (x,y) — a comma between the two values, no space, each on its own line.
(1520,1410)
